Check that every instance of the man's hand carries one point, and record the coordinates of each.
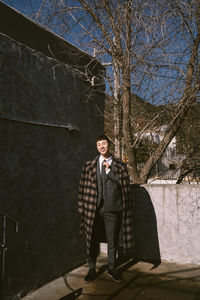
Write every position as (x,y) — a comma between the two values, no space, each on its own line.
(106,164)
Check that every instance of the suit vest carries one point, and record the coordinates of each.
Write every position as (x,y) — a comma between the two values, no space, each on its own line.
(113,193)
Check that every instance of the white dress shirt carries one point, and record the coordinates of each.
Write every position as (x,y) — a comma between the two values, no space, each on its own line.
(101,159)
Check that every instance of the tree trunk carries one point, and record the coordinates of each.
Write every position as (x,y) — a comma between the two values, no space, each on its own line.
(117,116)
(117,129)
(127,132)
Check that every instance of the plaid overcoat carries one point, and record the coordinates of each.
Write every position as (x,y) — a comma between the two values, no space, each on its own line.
(87,203)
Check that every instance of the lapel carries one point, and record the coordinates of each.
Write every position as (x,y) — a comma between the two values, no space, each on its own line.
(116,168)
(93,169)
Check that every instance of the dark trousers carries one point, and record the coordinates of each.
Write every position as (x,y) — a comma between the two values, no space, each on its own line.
(110,222)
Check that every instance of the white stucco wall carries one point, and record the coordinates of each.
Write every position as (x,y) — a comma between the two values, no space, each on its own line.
(177,209)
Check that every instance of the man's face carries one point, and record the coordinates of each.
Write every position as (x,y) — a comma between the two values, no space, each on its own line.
(103,147)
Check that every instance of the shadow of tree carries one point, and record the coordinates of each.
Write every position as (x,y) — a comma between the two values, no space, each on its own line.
(175,285)
(179,283)
(73,295)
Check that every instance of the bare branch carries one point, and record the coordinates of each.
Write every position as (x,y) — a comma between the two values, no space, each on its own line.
(39,11)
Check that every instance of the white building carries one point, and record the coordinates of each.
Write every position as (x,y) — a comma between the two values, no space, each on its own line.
(167,170)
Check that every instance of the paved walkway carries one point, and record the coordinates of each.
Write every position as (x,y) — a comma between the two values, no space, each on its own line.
(141,282)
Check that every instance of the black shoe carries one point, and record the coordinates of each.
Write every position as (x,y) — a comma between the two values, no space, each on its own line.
(91,275)
(115,275)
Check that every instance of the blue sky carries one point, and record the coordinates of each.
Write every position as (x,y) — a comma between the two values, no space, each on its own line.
(149,87)
(30,8)
(25,6)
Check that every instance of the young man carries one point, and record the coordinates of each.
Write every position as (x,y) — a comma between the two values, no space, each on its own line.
(105,206)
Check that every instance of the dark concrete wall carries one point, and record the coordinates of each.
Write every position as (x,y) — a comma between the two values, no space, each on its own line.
(40,165)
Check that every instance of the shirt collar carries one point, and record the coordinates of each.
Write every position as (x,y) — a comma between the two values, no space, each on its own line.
(101,159)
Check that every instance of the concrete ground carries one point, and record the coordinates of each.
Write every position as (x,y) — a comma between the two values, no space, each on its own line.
(141,281)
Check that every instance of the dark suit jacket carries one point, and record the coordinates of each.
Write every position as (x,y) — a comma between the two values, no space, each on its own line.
(113,193)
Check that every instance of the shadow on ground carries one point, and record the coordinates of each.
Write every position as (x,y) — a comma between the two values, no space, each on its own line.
(166,282)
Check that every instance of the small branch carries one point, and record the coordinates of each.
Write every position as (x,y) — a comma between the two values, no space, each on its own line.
(38,13)
(139,135)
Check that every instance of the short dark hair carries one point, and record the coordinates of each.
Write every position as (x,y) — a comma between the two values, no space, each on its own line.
(103,137)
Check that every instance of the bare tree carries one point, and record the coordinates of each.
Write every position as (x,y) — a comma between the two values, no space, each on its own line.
(150,48)
(188,145)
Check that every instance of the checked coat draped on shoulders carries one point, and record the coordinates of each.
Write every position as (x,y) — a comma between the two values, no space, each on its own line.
(88,197)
